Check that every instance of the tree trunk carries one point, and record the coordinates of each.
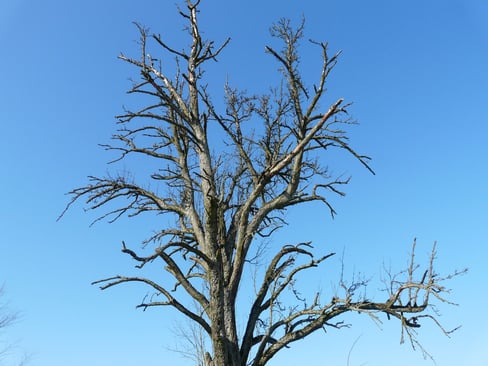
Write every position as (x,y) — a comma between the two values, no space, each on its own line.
(217,318)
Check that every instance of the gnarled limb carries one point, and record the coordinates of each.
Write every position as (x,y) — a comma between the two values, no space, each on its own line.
(219,200)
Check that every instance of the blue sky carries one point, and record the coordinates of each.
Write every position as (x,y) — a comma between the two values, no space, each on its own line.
(416,72)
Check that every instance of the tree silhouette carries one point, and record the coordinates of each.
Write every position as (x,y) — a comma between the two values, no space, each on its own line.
(223,197)
(8,350)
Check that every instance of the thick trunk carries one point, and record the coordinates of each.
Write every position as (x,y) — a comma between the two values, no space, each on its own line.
(231,329)
(217,318)
(225,343)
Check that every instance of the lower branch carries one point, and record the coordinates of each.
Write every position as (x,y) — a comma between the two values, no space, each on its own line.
(170,300)
(409,301)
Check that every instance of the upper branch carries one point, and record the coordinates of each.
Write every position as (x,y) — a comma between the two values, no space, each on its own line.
(105,190)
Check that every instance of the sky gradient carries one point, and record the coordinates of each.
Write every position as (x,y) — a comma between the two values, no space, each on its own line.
(417,75)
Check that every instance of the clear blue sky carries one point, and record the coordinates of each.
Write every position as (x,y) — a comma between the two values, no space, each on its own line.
(417,74)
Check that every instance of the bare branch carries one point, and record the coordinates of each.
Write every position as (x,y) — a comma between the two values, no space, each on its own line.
(171,301)
(224,174)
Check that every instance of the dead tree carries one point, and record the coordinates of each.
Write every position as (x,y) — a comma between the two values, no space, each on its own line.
(9,351)
(224,196)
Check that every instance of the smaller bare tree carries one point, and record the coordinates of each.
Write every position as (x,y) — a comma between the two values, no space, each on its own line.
(7,318)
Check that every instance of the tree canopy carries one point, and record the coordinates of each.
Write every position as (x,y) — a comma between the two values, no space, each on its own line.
(223,196)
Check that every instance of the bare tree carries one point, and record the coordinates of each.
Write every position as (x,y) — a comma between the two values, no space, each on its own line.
(8,318)
(224,197)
